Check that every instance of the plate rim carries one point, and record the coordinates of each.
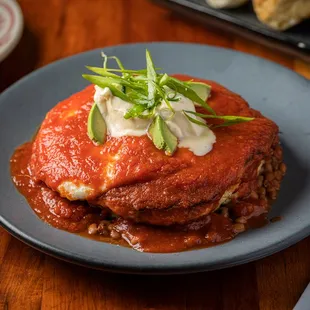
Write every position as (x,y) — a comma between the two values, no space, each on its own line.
(111,266)
(150,270)
(99,49)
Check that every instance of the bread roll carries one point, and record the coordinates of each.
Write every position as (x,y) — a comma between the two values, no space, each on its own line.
(282,14)
(225,4)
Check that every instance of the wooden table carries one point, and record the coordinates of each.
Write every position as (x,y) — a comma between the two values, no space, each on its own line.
(32,280)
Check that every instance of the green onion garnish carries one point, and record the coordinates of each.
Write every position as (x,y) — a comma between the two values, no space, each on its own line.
(146,89)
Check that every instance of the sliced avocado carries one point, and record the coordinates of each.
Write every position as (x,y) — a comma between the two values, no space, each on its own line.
(96,126)
(201,89)
(162,137)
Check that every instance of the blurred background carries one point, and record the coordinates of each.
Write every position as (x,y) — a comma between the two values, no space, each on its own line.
(54,29)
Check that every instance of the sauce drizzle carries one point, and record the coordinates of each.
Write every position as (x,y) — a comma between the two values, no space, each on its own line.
(75,217)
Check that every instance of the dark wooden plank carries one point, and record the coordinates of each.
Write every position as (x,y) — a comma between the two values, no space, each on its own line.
(283,277)
(31,280)
(223,290)
(302,68)
(5,239)
(21,277)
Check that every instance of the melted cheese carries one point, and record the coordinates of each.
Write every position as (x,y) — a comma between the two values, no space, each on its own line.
(198,139)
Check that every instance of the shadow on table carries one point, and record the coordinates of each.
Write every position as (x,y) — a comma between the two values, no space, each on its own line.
(21,61)
(223,289)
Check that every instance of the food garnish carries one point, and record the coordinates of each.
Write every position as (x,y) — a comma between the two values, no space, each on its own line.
(146,90)
(161,136)
(96,126)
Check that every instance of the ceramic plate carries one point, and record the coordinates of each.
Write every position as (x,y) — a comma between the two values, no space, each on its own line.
(278,92)
(11,26)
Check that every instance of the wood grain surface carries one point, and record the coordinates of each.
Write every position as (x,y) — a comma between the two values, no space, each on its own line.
(32,280)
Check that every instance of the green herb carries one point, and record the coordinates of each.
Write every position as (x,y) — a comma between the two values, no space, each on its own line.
(143,87)
(228,119)
(186,91)
(104,82)
(151,76)
(107,72)
(146,89)
(194,120)
(115,79)
(162,137)
(135,111)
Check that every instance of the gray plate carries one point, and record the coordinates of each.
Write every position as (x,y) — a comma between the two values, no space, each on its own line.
(278,92)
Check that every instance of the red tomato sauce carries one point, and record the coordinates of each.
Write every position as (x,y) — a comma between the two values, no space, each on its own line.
(77,216)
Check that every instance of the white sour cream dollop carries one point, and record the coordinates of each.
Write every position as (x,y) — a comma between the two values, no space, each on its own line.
(196,138)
